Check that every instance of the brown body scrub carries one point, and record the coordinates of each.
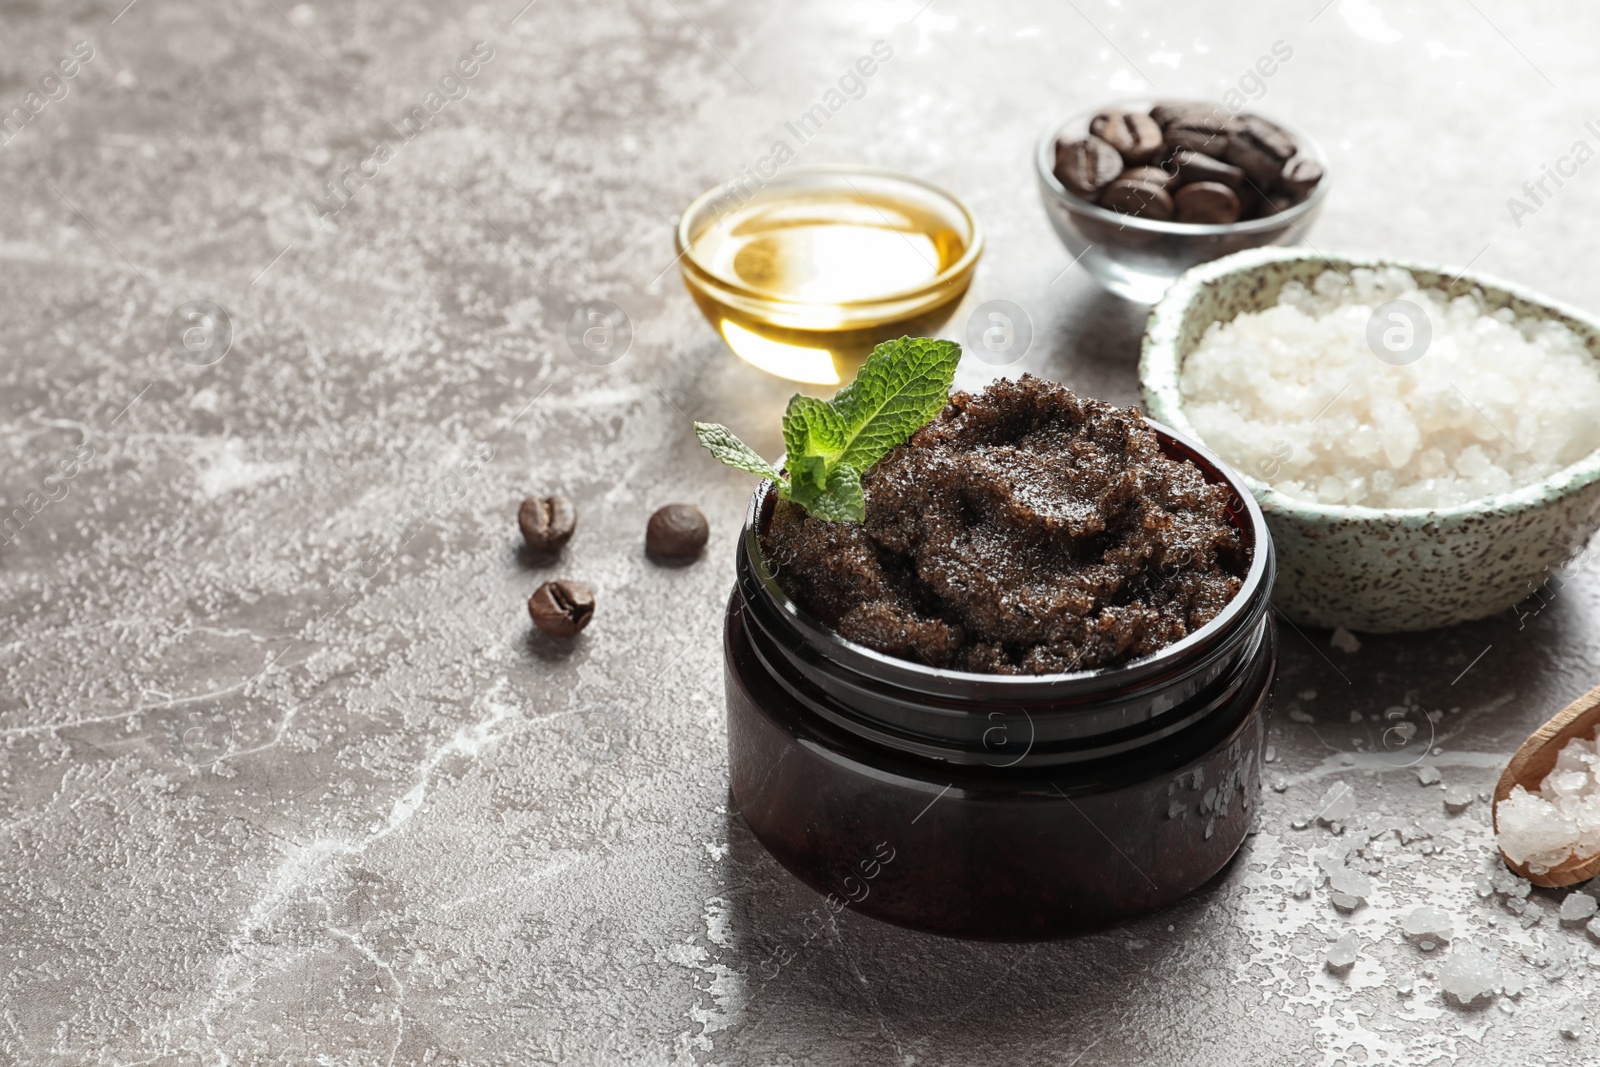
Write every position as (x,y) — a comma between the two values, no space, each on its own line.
(1023,531)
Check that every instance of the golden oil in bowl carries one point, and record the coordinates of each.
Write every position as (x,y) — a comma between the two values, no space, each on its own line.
(804,275)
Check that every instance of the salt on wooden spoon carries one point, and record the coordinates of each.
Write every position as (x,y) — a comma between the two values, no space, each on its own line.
(1528,768)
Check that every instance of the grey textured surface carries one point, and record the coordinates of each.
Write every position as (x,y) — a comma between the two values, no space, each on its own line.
(285,778)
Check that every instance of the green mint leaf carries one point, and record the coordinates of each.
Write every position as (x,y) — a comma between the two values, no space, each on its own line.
(721,443)
(812,433)
(900,388)
(840,501)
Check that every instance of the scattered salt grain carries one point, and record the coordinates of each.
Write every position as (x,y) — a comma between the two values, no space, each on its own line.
(1467,977)
(1578,907)
(1296,715)
(1355,716)
(1593,929)
(1428,774)
(1308,695)
(1296,396)
(1342,953)
(1427,924)
(1572,1026)
(1561,820)
(1344,640)
(1302,889)
(1457,799)
(1348,889)
(1337,804)
(1404,986)
(1271,755)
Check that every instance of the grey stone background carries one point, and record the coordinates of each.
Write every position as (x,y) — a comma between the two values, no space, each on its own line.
(284,776)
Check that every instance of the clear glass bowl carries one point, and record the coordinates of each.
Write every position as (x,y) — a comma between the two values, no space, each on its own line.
(1138,258)
(822,328)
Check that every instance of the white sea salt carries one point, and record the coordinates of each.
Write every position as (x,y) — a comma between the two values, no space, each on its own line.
(1457,799)
(1344,640)
(1467,977)
(1337,804)
(1578,907)
(1342,953)
(1427,923)
(1296,396)
(1428,774)
(1544,829)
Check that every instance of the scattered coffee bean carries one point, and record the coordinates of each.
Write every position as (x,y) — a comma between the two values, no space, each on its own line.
(1147,200)
(1260,149)
(1206,203)
(561,609)
(1086,167)
(1195,166)
(1135,136)
(677,531)
(547,522)
(1153,175)
(1119,167)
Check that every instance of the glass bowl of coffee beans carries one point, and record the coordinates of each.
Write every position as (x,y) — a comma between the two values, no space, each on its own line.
(1140,191)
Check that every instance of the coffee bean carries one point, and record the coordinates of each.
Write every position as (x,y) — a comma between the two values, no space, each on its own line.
(1086,167)
(1147,200)
(1170,111)
(1259,148)
(1198,167)
(562,608)
(547,523)
(1206,203)
(677,531)
(1300,175)
(1197,127)
(1153,175)
(1136,137)
(1276,204)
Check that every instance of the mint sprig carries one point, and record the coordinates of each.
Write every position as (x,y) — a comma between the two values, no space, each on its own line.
(899,389)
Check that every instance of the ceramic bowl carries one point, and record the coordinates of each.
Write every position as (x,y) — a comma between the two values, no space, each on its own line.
(1383,570)
(1137,258)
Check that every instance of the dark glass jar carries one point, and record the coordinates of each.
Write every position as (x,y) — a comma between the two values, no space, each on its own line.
(996,806)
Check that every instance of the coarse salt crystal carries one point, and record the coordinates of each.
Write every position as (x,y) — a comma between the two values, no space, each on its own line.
(1295,396)
(1578,907)
(1542,830)
(1342,953)
(1427,923)
(1344,640)
(1337,804)
(1467,976)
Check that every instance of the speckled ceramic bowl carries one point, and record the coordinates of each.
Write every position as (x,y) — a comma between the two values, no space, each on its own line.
(1390,569)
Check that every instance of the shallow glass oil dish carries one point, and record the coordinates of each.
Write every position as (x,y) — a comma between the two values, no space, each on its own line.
(803,276)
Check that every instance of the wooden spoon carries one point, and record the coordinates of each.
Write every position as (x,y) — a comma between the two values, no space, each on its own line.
(1532,762)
